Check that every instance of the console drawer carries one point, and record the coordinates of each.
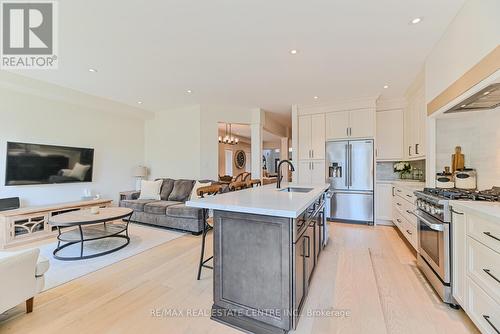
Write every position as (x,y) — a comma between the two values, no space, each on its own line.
(484,231)
(484,267)
(482,309)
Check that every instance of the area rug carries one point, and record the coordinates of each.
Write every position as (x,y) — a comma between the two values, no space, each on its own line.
(142,238)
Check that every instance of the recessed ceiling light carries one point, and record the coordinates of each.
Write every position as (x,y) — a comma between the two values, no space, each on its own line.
(93,70)
(486,93)
(316,97)
(139,102)
(416,20)
(189,91)
(386,86)
(293,52)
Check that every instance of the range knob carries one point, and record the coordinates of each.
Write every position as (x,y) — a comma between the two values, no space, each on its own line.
(438,211)
(433,210)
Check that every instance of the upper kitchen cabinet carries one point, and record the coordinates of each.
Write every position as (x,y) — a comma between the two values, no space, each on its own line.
(337,125)
(311,133)
(390,138)
(350,124)
(415,120)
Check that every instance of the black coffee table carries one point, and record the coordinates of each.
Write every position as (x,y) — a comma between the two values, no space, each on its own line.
(81,226)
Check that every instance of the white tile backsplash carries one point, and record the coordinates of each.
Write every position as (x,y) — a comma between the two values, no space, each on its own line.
(478,133)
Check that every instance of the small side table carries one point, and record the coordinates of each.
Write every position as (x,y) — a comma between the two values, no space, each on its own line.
(127,194)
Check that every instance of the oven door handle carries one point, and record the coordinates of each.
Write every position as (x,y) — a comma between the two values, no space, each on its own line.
(433,226)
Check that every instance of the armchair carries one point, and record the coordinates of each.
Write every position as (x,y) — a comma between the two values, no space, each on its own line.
(21,278)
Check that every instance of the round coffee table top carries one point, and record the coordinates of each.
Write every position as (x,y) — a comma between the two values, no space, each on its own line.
(85,217)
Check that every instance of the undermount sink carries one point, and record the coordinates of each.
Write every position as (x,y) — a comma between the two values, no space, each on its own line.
(296,190)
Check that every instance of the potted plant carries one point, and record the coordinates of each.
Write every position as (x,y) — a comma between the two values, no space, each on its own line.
(403,168)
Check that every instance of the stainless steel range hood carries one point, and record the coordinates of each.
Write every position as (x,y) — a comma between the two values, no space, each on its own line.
(487,98)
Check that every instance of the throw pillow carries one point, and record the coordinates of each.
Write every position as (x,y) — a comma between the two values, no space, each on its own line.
(198,184)
(79,171)
(150,189)
(166,188)
(182,190)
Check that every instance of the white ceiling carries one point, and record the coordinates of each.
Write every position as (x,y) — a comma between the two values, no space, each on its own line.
(237,52)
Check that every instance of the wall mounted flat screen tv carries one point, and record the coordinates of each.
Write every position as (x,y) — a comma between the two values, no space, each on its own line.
(43,164)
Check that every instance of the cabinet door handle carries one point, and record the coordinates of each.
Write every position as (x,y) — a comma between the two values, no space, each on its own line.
(458,213)
(416,148)
(409,150)
(308,246)
(487,318)
(488,271)
(393,192)
(409,232)
(350,132)
(398,220)
(347,132)
(491,236)
(398,204)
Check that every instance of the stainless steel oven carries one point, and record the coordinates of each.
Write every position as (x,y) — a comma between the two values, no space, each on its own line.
(434,244)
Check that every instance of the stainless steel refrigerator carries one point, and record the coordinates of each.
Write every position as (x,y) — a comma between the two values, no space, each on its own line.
(350,173)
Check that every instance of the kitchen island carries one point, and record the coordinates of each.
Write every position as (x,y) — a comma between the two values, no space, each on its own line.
(266,246)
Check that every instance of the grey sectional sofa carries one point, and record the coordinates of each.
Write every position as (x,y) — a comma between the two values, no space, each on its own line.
(171,211)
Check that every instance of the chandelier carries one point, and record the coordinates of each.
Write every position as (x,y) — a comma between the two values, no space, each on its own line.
(228,137)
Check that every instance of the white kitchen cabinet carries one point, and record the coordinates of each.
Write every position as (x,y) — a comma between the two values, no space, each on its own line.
(350,124)
(383,202)
(403,202)
(390,138)
(337,125)
(305,137)
(318,173)
(476,263)
(362,123)
(415,124)
(312,172)
(459,257)
(318,136)
(304,171)
(311,133)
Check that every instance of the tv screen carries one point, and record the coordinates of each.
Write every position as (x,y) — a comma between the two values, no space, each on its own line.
(42,164)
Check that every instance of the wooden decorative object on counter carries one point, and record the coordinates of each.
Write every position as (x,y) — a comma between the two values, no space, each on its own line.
(21,226)
(457,160)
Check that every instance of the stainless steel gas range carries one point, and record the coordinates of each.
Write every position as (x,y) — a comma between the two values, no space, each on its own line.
(434,216)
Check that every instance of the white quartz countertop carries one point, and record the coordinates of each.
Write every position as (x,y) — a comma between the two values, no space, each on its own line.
(265,200)
(481,208)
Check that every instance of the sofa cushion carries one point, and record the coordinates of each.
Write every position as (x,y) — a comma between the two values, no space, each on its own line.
(182,190)
(166,188)
(159,207)
(135,204)
(183,211)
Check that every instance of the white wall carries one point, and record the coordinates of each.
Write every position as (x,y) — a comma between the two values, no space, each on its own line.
(172,143)
(182,143)
(118,140)
(473,34)
(478,134)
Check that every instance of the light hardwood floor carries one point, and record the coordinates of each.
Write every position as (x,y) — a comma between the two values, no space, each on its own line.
(367,271)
